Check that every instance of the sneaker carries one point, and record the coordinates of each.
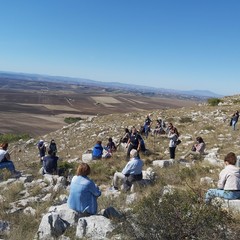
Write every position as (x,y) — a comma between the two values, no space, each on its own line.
(16,174)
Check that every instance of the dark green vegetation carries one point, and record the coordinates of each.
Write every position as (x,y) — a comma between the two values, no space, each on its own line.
(70,120)
(180,212)
(179,215)
(214,101)
(10,137)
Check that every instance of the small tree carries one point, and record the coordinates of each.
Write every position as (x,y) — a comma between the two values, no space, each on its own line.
(214,101)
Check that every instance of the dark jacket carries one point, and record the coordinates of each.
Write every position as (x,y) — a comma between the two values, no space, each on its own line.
(50,164)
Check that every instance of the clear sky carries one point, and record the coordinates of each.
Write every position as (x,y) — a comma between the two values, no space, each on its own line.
(177,44)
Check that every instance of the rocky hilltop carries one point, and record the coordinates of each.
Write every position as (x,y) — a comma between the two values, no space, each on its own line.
(25,201)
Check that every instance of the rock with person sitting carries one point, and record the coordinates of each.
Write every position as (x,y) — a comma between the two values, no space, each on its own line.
(132,172)
(83,192)
(5,160)
(197,149)
(50,163)
(228,186)
(97,150)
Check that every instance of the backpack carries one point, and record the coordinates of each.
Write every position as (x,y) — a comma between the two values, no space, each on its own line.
(178,142)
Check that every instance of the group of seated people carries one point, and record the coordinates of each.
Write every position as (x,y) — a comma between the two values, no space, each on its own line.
(84,192)
(97,151)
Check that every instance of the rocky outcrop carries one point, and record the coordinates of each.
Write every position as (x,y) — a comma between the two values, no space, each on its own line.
(59,218)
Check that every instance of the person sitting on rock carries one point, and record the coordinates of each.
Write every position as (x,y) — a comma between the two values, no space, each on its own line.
(5,161)
(229,181)
(97,151)
(197,149)
(134,142)
(131,172)
(50,163)
(159,129)
(111,147)
(83,192)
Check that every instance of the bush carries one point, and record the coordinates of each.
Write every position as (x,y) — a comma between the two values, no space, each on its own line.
(214,101)
(179,215)
(66,168)
(70,120)
(10,137)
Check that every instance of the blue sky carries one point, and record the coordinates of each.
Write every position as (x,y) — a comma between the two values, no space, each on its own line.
(177,44)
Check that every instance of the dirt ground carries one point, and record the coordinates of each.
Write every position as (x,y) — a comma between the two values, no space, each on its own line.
(41,112)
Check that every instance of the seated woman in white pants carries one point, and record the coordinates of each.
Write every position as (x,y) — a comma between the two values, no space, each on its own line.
(132,172)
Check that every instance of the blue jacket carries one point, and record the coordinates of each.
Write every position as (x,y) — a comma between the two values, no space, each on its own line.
(133,167)
(97,151)
(83,195)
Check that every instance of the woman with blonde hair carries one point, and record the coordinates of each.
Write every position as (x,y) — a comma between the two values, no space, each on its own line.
(83,192)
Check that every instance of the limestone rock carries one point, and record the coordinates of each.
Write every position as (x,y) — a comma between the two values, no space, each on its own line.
(163,163)
(94,227)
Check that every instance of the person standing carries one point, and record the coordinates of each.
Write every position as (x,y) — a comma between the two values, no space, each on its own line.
(134,142)
(41,149)
(234,120)
(147,125)
(53,147)
(173,136)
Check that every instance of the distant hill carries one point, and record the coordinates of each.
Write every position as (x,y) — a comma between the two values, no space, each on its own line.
(145,90)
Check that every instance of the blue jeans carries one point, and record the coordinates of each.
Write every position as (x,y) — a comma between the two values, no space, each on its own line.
(234,125)
(8,165)
(146,130)
(226,194)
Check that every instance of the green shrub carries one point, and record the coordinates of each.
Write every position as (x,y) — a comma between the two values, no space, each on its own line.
(66,168)
(10,137)
(180,215)
(214,101)
(70,120)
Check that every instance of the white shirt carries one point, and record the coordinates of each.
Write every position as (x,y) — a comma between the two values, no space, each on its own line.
(229,178)
(2,154)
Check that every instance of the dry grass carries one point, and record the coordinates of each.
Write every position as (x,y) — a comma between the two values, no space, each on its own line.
(76,138)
